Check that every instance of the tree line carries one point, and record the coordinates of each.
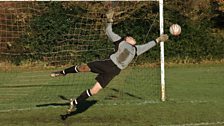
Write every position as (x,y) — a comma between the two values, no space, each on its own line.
(201,22)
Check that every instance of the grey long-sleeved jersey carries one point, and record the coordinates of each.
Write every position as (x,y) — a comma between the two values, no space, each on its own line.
(125,52)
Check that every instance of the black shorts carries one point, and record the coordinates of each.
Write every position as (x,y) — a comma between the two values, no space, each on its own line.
(106,70)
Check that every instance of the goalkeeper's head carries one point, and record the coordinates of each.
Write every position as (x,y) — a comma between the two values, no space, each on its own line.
(129,39)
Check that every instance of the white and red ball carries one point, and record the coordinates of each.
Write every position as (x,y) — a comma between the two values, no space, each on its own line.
(175,29)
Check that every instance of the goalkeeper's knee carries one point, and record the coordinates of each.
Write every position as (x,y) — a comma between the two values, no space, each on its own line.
(83,68)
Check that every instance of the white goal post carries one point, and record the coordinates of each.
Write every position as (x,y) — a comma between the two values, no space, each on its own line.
(162,59)
(163,98)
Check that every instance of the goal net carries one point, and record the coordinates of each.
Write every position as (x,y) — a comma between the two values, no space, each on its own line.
(37,38)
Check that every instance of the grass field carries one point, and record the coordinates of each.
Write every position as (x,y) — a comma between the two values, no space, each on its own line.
(195,97)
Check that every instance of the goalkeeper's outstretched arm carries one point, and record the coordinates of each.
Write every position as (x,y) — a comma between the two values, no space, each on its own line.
(109,31)
(111,35)
(145,47)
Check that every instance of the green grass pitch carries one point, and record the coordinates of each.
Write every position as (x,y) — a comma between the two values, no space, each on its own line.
(195,96)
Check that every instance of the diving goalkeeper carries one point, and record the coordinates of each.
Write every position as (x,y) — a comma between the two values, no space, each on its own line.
(125,51)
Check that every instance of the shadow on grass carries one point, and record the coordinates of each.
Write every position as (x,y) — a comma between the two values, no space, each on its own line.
(52,104)
(80,108)
(38,85)
(56,104)
(111,97)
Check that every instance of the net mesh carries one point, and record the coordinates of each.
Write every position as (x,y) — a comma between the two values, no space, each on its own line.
(37,38)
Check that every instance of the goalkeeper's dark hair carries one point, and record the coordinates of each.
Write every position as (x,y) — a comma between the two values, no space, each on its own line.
(116,43)
(123,38)
(128,35)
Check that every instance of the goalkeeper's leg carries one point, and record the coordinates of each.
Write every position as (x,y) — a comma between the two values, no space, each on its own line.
(73,69)
(83,96)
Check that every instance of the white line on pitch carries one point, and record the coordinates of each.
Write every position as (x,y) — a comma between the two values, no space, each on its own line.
(197,124)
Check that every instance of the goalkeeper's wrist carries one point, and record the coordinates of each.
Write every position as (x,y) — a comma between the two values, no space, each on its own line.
(157,41)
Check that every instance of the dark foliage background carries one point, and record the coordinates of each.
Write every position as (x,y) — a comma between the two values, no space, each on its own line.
(202,36)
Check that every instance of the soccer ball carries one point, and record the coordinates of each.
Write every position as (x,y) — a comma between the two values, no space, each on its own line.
(175,29)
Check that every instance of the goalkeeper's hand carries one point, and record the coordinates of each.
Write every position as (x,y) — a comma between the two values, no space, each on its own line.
(162,38)
(110,15)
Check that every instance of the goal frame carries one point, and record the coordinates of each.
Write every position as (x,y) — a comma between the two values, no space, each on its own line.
(162,58)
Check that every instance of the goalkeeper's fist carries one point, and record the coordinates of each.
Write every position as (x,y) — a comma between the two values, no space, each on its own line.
(162,38)
(110,15)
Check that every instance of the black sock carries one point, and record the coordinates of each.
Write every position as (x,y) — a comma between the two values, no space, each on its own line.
(72,69)
(86,94)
